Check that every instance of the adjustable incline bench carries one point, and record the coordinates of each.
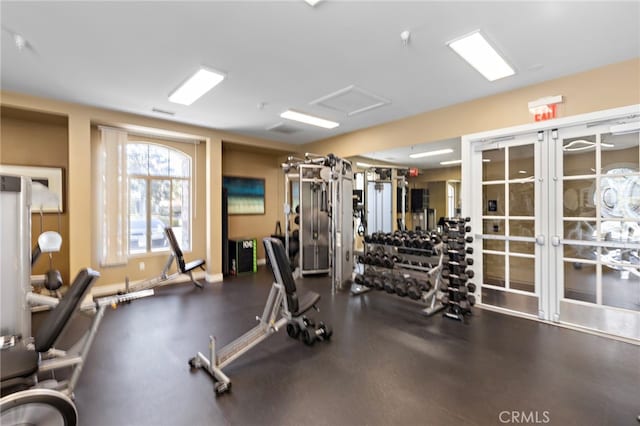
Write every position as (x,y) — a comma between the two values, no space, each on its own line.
(183,267)
(23,396)
(282,307)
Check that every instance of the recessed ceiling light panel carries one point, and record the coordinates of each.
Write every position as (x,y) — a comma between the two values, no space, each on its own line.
(477,51)
(431,153)
(309,119)
(450,162)
(196,86)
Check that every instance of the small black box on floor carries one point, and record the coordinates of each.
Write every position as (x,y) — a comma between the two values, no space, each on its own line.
(243,255)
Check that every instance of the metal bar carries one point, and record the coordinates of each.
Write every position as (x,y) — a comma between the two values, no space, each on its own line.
(87,345)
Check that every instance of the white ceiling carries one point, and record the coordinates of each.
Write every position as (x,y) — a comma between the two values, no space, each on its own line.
(400,156)
(129,56)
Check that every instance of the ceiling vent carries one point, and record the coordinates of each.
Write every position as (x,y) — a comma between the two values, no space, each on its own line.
(351,100)
(284,128)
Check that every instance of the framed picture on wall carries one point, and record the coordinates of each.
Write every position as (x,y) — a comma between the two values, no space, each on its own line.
(46,192)
(245,195)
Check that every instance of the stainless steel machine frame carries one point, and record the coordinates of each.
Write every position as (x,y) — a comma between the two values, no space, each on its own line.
(334,176)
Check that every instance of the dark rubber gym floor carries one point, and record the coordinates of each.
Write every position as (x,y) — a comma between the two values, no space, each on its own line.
(386,365)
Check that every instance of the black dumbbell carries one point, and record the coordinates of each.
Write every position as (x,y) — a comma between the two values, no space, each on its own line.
(367,239)
(414,292)
(469,239)
(359,279)
(470,273)
(368,281)
(361,259)
(465,305)
(378,284)
(389,285)
(471,287)
(469,261)
(467,228)
(401,287)
(469,250)
(472,299)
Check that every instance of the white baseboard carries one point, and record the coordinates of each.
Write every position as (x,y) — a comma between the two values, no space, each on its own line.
(262,262)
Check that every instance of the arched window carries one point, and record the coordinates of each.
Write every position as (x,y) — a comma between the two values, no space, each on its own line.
(159,195)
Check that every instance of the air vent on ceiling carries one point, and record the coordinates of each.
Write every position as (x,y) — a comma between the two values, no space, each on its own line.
(351,100)
(284,128)
(162,111)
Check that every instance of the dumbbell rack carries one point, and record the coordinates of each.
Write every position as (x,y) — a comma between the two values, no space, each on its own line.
(408,264)
(458,293)
(431,268)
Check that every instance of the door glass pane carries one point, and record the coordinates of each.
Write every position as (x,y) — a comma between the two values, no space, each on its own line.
(493,226)
(619,151)
(579,155)
(493,164)
(522,247)
(493,200)
(580,230)
(522,273)
(521,162)
(620,232)
(522,228)
(522,199)
(494,269)
(575,251)
(495,245)
(137,216)
(580,281)
(617,195)
(621,287)
(578,198)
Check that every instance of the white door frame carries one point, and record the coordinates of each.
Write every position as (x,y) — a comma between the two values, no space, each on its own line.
(470,174)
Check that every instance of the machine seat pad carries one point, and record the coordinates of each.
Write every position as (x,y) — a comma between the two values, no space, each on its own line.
(193,265)
(18,363)
(309,299)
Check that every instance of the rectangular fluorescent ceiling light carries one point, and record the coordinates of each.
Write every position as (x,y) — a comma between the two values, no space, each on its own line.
(312,3)
(309,119)
(477,51)
(196,86)
(431,153)
(451,162)
(365,165)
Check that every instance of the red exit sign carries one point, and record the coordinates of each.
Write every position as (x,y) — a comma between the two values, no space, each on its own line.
(546,113)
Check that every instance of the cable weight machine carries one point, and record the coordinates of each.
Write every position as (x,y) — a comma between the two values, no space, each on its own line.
(319,196)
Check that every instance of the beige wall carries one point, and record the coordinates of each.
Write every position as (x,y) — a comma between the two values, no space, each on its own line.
(607,87)
(81,119)
(241,163)
(40,140)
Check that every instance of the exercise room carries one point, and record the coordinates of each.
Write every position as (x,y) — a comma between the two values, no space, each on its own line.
(319,212)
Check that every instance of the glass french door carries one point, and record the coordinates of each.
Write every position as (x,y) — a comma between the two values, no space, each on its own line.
(511,221)
(596,230)
(559,211)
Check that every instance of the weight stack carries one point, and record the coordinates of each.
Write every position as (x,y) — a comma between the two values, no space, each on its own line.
(243,255)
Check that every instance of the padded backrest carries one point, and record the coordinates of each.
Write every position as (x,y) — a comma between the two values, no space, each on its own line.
(175,247)
(60,315)
(282,270)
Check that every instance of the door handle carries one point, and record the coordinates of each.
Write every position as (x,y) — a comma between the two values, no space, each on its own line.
(555,241)
(540,240)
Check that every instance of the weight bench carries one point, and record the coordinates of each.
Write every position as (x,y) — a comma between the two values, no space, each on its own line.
(282,307)
(20,366)
(176,252)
